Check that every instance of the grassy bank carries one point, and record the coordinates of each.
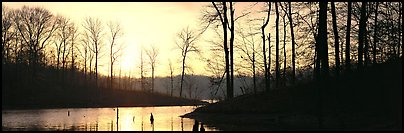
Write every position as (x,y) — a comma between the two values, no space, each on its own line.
(368,101)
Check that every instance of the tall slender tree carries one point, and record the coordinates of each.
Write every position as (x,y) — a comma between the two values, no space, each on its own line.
(322,55)
(293,44)
(348,39)
(223,18)
(266,67)
(187,43)
(375,35)
(361,36)
(231,28)
(152,53)
(284,50)
(94,28)
(115,49)
(171,77)
(277,71)
(336,38)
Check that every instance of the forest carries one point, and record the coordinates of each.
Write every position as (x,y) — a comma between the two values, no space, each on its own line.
(256,48)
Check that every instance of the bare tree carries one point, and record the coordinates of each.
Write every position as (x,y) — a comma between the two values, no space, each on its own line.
(35,26)
(348,39)
(293,44)
(322,39)
(375,37)
(65,34)
(186,43)
(362,29)
(231,28)
(141,69)
(322,55)
(115,49)
(171,77)
(222,13)
(266,66)
(152,53)
(94,29)
(85,51)
(74,37)
(336,38)
(284,48)
(248,48)
(7,33)
(215,66)
(277,46)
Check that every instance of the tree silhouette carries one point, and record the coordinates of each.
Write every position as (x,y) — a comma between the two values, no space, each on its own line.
(223,18)
(375,37)
(152,53)
(35,26)
(94,28)
(115,49)
(336,38)
(362,30)
(171,77)
(248,48)
(186,43)
(348,39)
(266,65)
(277,67)
(293,44)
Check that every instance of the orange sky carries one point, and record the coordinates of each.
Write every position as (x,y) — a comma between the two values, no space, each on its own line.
(143,24)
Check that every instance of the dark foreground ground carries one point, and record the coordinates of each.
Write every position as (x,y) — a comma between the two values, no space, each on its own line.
(25,86)
(48,87)
(369,101)
(87,99)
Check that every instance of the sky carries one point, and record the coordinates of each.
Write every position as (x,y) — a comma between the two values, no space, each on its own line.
(144,24)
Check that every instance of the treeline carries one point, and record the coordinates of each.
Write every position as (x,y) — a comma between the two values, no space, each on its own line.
(313,40)
(45,54)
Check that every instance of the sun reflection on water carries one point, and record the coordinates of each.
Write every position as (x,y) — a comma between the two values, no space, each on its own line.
(100,119)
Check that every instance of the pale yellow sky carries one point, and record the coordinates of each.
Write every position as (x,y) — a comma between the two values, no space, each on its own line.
(143,24)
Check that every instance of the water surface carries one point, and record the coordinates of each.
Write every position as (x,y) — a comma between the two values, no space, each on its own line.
(100,119)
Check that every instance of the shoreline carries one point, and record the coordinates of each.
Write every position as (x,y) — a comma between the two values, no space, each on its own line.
(101,106)
(345,104)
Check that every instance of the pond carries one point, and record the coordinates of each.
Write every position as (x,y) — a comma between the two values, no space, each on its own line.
(166,118)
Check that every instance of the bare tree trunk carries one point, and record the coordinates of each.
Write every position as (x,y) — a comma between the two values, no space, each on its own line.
(322,56)
(348,39)
(336,38)
(362,30)
(293,45)
(182,74)
(266,71)
(112,65)
(141,71)
(277,47)
(226,51)
(152,90)
(284,51)
(254,75)
(171,78)
(401,30)
(375,37)
(224,21)
(269,61)
(231,50)
(366,48)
